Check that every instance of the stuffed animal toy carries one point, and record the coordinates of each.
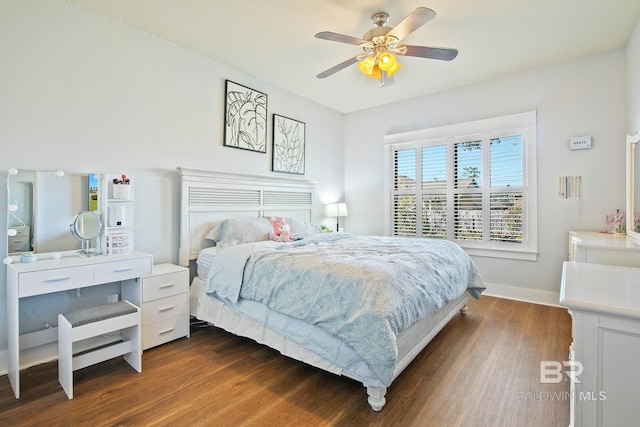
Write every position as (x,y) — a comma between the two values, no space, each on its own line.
(281,230)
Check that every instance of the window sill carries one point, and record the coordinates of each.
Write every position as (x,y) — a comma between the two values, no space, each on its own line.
(501,253)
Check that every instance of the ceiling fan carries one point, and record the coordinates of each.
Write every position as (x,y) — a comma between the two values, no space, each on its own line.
(381,43)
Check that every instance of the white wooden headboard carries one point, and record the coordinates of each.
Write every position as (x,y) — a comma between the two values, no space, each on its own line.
(211,196)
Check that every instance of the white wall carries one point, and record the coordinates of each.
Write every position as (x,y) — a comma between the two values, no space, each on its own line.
(573,98)
(82,93)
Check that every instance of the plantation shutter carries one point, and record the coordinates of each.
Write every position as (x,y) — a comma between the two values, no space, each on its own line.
(468,195)
(434,191)
(507,192)
(404,197)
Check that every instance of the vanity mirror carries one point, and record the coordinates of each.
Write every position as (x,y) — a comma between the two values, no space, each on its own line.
(86,227)
(41,206)
(19,210)
(633,185)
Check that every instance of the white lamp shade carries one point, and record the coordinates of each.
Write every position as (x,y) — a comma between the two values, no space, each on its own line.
(336,210)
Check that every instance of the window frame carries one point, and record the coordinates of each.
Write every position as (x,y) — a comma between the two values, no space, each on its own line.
(522,124)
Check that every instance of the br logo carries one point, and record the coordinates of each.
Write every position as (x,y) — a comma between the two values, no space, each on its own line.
(551,371)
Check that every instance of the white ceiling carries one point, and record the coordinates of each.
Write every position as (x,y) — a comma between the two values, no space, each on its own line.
(274,41)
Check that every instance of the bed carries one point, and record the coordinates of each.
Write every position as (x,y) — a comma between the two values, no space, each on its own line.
(336,301)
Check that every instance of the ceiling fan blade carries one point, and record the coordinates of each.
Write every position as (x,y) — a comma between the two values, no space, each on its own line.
(335,37)
(442,53)
(338,67)
(412,22)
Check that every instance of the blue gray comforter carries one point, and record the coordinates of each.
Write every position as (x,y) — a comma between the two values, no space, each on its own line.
(362,289)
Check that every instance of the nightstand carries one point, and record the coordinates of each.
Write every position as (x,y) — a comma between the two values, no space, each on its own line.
(165,305)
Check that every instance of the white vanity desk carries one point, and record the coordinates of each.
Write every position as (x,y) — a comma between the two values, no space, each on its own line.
(51,275)
(604,302)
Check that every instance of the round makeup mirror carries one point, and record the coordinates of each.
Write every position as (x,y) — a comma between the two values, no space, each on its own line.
(86,226)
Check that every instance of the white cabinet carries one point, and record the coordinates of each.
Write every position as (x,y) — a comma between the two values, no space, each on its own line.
(165,305)
(604,302)
(601,248)
(117,205)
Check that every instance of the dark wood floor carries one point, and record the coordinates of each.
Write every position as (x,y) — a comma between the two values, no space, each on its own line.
(481,370)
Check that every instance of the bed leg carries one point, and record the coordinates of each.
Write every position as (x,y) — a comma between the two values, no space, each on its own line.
(376,397)
(464,309)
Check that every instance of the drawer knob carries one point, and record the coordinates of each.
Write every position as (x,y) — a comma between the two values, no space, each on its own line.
(168,285)
(166,331)
(166,308)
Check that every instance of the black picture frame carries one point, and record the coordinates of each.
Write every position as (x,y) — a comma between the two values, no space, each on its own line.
(245,118)
(288,154)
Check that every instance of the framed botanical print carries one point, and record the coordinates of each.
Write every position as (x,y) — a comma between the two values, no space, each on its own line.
(245,118)
(288,145)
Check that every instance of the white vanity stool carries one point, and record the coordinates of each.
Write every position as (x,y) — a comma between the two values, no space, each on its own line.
(95,321)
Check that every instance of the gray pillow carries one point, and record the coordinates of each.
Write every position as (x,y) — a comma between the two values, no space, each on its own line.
(214,232)
(300,227)
(231,232)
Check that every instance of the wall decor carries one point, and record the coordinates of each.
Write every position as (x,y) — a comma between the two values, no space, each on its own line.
(288,145)
(245,118)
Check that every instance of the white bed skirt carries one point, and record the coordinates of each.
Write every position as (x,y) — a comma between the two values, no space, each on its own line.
(410,342)
(219,314)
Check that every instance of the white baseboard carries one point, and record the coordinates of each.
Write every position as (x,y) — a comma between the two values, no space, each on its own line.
(523,294)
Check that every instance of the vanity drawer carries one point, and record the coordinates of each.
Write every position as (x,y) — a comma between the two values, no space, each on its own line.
(115,271)
(156,287)
(22,231)
(165,331)
(162,309)
(54,280)
(18,244)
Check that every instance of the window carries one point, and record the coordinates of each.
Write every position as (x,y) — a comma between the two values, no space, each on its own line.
(473,183)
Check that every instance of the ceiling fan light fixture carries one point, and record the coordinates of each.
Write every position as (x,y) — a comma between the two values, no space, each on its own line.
(386,61)
(392,70)
(380,43)
(375,72)
(367,65)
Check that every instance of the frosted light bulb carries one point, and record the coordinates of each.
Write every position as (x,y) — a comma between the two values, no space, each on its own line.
(12,207)
(12,232)
(13,171)
(8,260)
(59,174)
